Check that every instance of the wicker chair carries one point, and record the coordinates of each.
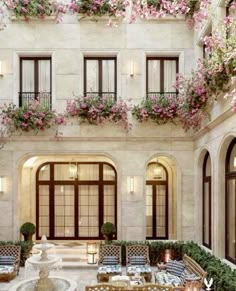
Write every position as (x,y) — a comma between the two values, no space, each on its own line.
(152,287)
(103,287)
(142,267)
(9,262)
(106,270)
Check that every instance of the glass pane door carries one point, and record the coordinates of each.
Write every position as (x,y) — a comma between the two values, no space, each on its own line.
(149,211)
(88,211)
(160,210)
(64,211)
(44,210)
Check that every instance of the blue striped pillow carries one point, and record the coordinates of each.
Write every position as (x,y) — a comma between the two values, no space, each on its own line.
(7,260)
(175,268)
(137,260)
(110,260)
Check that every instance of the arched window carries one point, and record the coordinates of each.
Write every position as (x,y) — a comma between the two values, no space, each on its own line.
(206,201)
(74,199)
(156,201)
(230,203)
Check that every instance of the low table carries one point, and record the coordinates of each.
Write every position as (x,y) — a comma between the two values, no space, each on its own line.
(144,271)
(127,281)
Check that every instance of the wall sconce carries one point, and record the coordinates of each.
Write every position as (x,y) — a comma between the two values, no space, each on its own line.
(234,162)
(131,69)
(1,184)
(1,74)
(91,252)
(131,184)
(73,170)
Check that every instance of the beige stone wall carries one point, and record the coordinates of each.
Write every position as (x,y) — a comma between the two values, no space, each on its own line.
(67,43)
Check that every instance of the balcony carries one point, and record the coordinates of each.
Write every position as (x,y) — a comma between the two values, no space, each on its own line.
(157,95)
(44,98)
(101,94)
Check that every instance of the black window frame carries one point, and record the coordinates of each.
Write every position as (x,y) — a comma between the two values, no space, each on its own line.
(161,59)
(229,175)
(100,93)
(206,180)
(51,182)
(36,94)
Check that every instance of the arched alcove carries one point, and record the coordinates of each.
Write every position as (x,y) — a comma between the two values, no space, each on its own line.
(29,182)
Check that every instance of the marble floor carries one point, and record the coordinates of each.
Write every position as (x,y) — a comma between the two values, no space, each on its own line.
(83,277)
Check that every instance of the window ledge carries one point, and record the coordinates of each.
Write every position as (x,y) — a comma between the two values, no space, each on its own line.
(32,18)
(84,17)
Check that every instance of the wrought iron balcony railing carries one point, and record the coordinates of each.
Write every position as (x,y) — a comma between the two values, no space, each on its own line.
(44,98)
(173,95)
(101,94)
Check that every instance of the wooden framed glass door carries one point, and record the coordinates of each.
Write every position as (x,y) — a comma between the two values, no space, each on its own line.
(156,202)
(73,200)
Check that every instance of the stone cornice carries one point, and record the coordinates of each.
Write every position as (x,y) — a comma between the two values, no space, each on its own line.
(219,119)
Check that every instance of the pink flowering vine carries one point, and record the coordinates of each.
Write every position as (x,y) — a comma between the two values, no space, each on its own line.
(97,110)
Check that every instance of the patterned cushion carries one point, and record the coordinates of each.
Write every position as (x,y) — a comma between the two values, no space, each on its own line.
(110,260)
(6,269)
(137,260)
(7,260)
(132,269)
(109,269)
(167,279)
(175,267)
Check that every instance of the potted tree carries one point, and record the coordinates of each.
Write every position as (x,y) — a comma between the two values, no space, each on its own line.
(108,230)
(27,229)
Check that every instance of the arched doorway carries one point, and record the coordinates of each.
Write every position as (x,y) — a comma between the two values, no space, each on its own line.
(73,199)
(156,201)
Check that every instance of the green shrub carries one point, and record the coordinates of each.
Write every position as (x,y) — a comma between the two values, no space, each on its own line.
(27,228)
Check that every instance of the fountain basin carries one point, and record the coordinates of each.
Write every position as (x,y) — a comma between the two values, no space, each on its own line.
(59,284)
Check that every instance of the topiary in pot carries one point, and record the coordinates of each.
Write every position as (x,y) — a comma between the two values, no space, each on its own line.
(108,230)
(27,229)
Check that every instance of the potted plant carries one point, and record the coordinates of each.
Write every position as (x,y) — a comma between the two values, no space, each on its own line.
(108,230)
(27,229)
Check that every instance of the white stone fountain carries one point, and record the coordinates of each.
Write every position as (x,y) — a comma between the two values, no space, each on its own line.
(44,263)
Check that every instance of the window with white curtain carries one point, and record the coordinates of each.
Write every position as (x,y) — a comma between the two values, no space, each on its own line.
(161,75)
(35,80)
(100,76)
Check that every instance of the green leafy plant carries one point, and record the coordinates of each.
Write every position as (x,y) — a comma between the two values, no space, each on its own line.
(27,228)
(108,230)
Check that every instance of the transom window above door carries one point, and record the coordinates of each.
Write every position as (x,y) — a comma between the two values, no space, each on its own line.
(100,76)
(161,75)
(35,80)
